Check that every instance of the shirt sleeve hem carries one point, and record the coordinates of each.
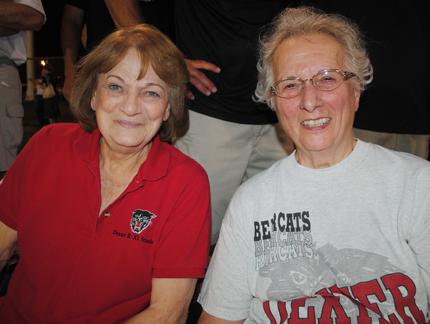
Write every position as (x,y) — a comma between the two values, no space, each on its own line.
(8,222)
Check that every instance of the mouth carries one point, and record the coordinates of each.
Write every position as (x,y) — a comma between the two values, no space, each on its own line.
(128,124)
(316,122)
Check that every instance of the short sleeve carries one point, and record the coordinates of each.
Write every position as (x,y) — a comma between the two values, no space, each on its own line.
(11,188)
(183,248)
(419,224)
(225,292)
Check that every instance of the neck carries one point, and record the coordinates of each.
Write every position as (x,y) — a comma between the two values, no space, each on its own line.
(322,159)
(123,164)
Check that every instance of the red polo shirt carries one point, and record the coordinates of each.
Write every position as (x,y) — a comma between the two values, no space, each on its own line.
(79,267)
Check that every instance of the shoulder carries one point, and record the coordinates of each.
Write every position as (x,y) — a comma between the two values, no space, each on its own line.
(54,139)
(395,160)
(265,179)
(181,164)
(261,187)
(59,132)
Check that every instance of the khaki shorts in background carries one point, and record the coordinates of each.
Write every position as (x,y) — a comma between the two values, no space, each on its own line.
(409,143)
(230,153)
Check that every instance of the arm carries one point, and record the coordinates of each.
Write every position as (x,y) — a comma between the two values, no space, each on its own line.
(8,238)
(15,17)
(170,299)
(198,79)
(418,230)
(124,12)
(225,295)
(206,318)
(71,29)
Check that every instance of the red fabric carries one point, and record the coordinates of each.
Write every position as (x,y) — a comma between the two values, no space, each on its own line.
(77,267)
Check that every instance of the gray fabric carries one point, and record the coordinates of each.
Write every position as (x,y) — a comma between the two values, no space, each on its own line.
(292,232)
(230,154)
(6,61)
(11,114)
(409,143)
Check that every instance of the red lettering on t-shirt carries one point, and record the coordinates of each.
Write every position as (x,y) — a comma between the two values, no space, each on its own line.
(268,312)
(393,282)
(332,304)
(282,307)
(296,304)
(363,317)
(363,290)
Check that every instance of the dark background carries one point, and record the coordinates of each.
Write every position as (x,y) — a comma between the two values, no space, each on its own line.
(47,40)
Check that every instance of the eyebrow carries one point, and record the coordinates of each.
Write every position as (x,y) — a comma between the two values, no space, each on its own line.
(146,84)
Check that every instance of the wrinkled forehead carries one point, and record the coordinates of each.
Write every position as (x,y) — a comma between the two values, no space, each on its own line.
(140,61)
(307,54)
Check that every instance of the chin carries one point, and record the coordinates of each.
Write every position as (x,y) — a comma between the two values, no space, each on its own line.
(127,142)
(317,145)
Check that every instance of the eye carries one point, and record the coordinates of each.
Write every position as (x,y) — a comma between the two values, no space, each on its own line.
(291,85)
(328,77)
(114,87)
(151,93)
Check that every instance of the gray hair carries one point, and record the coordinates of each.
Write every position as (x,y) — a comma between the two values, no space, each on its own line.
(300,21)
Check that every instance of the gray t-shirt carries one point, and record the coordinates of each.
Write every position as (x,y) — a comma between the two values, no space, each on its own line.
(345,243)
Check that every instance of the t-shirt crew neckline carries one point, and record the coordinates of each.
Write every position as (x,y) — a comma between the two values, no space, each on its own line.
(350,164)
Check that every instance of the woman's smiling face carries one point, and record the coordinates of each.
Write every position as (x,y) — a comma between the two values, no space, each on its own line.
(319,122)
(129,111)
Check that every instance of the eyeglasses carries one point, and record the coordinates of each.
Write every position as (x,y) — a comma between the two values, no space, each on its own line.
(324,80)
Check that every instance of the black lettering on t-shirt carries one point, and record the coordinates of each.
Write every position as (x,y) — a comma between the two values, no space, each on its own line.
(306,222)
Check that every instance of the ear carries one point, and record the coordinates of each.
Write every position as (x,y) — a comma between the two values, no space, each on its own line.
(357,94)
(92,102)
(166,113)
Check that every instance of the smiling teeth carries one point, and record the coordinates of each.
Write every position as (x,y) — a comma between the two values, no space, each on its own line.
(316,123)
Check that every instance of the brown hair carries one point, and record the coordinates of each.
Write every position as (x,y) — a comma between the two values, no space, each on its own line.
(155,50)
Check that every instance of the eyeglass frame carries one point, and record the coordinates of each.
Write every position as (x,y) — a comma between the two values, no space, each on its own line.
(346,76)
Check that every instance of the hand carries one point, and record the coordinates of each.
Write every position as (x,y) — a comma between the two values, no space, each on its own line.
(198,79)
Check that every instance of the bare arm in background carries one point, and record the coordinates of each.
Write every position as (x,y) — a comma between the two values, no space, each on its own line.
(71,29)
(124,12)
(15,17)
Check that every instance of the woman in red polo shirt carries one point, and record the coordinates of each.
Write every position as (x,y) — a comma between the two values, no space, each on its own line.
(111,221)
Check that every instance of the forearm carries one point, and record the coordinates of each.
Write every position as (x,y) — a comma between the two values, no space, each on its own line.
(7,243)
(16,17)
(71,30)
(170,300)
(124,12)
(4,257)
(70,44)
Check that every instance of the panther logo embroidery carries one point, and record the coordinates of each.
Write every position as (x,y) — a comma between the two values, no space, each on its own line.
(140,220)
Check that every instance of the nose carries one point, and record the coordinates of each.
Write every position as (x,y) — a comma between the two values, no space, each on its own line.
(309,97)
(130,104)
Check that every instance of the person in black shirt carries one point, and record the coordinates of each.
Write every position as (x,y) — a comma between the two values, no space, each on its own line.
(101,17)
(395,110)
(231,135)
